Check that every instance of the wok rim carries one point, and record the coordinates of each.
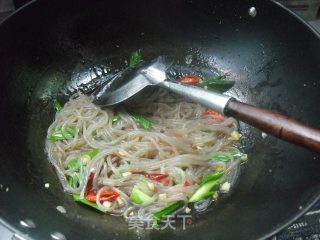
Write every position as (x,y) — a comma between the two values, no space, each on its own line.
(295,218)
(304,22)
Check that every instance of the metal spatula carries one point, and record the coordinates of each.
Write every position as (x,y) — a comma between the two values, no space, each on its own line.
(154,74)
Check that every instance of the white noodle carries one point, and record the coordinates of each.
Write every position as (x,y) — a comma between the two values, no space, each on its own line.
(179,144)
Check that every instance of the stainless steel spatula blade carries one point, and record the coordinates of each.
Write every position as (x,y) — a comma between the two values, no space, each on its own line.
(135,80)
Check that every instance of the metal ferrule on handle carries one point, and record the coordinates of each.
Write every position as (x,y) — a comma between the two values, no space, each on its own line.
(210,99)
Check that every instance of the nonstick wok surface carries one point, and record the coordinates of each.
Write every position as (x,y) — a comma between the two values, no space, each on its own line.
(273,57)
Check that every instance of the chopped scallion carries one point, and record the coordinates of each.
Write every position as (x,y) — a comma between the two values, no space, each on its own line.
(142,121)
(135,58)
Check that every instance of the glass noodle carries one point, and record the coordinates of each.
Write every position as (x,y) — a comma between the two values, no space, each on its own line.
(106,157)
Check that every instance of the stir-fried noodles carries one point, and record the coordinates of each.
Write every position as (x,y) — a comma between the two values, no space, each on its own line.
(136,161)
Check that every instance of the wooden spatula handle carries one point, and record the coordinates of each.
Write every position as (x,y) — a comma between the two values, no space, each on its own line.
(268,121)
(276,124)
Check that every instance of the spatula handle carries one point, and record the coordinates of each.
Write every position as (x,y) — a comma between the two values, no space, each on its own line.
(210,99)
(270,122)
(275,124)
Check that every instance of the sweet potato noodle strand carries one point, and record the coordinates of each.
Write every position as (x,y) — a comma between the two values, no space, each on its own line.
(179,144)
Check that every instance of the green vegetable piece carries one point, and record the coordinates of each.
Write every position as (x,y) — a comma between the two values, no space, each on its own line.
(135,58)
(145,123)
(60,134)
(167,210)
(74,165)
(57,106)
(216,83)
(70,131)
(56,135)
(212,176)
(91,153)
(77,198)
(74,180)
(226,156)
(70,181)
(207,130)
(204,191)
(138,196)
(115,118)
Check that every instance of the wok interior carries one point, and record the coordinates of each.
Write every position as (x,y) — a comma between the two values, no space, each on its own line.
(272,58)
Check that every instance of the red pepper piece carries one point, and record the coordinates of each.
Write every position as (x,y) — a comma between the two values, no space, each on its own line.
(152,176)
(156,176)
(215,115)
(106,195)
(189,79)
(186,184)
(90,183)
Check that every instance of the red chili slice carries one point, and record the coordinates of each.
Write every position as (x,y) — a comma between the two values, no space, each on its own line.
(152,176)
(156,176)
(215,115)
(189,79)
(90,183)
(186,184)
(106,195)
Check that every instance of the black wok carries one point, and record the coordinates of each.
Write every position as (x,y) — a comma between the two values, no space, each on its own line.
(273,57)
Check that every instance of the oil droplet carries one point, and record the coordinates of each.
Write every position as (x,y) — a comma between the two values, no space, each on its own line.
(252,12)
(61,209)
(57,236)
(27,223)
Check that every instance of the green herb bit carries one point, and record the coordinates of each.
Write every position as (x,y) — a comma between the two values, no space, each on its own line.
(77,198)
(212,177)
(91,153)
(204,191)
(115,118)
(135,58)
(57,106)
(74,180)
(138,196)
(157,216)
(60,134)
(216,83)
(227,156)
(207,130)
(74,165)
(145,123)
